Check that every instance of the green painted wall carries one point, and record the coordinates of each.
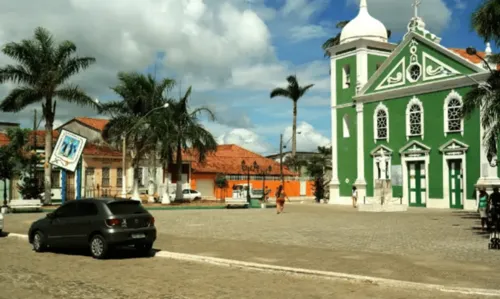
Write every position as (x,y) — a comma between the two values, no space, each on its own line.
(373,60)
(433,137)
(346,149)
(405,52)
(345,95)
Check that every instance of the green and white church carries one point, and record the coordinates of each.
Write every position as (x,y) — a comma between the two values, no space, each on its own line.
(397,134)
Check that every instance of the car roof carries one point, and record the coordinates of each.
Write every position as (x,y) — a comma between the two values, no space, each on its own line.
(104,200)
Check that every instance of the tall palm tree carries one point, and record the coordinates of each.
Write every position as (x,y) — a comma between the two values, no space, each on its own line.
(487,97)
(42,73)
(131,117)
(294,92)
(333,41)
(188,135)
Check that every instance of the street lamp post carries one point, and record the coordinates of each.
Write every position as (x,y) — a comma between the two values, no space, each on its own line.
(282,146)
(135,196)
(249,168)
(263,172)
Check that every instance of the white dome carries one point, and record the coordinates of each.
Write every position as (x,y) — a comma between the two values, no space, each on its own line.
(363,26)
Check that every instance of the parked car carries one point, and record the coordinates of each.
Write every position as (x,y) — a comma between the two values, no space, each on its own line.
(1,223)
(187,194)
(99,224)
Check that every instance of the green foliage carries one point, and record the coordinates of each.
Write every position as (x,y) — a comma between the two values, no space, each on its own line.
(221,181)
(316,167)
(13,158)
(42,71)
(484,21)
(30,187)
(293,91)
(137,114)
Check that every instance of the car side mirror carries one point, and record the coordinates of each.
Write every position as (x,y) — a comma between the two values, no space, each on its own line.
(51,215)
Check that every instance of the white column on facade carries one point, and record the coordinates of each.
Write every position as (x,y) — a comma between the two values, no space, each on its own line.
(360,144)
(334,183)
(361,68)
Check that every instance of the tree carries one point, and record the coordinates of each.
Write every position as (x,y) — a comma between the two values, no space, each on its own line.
(294,92)
(486,97)
(316,168)
(132,116)
(13,157)
(221,183)
(333,41)
(189,135)
(42,73)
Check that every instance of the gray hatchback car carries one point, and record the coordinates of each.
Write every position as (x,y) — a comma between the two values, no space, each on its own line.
(99,224)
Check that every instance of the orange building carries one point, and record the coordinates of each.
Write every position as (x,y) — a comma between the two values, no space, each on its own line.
(227,160)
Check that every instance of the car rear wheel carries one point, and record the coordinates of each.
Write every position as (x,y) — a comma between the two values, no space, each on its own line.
(98,247)
(38,243)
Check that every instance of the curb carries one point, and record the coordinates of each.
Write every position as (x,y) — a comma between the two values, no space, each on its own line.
(326,274)
(314,273)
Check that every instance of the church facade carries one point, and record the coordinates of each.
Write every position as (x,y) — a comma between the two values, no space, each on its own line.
(396,126)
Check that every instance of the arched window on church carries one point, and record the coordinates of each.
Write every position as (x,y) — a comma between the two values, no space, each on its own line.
(381,122)
(453,104)
(345,126)
(414,118)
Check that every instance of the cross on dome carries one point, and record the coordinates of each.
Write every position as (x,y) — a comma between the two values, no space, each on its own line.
(416,4)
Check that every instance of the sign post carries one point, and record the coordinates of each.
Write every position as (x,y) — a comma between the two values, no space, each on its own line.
(79,180)
(63,186)
(67,155)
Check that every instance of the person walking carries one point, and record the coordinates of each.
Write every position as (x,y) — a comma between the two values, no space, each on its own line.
(482,207)
(280,199)
(354,197)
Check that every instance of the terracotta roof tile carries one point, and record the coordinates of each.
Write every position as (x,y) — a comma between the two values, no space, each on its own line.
(471,58)
(227,159)
(4,139)
(100,150)
(40,137)
(96,123)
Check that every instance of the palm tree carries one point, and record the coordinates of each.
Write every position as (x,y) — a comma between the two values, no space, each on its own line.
(42,73)
(333,41)
(187,134)
(294,92)
(131,117)
(486,97)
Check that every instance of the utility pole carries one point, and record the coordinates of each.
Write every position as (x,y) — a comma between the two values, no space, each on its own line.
(124,166)
(34,161)
(281,161)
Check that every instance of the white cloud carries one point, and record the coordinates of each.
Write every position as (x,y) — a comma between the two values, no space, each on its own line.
(268,76)
(306,32)
(308,140)
(203,40)
(434,12)
(246,139)
(253,140)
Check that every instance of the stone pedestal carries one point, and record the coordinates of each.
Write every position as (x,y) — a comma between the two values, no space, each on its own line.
(382,200)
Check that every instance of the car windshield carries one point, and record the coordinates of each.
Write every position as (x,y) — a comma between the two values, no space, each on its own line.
(126,207)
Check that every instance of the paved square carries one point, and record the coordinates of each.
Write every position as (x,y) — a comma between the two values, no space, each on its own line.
(421,245)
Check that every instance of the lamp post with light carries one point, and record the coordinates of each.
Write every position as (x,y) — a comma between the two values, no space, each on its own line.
(135,196)
(247,169)
(283,146)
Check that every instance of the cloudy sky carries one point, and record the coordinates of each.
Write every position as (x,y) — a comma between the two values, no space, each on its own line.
(233,52)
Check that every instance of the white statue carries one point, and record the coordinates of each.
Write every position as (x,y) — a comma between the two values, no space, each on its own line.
(382,165)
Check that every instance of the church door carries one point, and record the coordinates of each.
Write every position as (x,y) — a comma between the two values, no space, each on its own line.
(416,184)
(455,184)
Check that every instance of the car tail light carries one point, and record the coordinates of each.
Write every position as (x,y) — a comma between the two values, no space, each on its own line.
(152,221)
(113,222)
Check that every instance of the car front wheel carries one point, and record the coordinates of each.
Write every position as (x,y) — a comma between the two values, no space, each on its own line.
(98,247)
(39,242)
